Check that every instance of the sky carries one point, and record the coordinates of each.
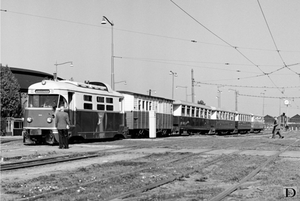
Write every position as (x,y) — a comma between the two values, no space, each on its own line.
(251,47)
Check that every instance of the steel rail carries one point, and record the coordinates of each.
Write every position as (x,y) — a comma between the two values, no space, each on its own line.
(249,176)
(163,182)
(56,159)
(109,177)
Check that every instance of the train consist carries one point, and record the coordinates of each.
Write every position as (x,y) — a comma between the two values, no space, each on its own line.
(96,112)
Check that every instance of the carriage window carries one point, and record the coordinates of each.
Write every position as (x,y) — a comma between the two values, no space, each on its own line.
(109,107)
(88,106)
(43,100)
(188,111)
(109,100)
(100,107)
(87,98)
(183,111)
(197,112)
(139,104)
(100,99)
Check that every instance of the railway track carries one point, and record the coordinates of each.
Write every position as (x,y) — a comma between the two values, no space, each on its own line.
(56,159)
(133,194)
(229,190)
(140,169)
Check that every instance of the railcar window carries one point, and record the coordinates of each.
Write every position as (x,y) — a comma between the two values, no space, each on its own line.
(182,110)
(100,99)
(87,98)
(109,100)
(109,107)
(139,106)
(197,112)
(88,106)
(188,111)
(100,107)
(193,111)
(42,100)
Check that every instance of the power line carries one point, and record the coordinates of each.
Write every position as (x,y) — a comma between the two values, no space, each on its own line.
(234,47)
(143,33)
(277,50)
(275,97)
(241,86)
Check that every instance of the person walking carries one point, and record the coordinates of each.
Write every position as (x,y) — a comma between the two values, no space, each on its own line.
(277,127)
(62,124)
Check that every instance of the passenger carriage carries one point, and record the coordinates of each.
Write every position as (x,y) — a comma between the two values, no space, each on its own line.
(257,123)
(136,109)
(94,111)
(223,121)
(190,118)
(243,122)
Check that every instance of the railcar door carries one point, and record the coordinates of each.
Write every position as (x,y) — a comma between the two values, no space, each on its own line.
(71,111)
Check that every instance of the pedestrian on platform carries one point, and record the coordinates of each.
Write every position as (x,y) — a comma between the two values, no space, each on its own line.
(62,124)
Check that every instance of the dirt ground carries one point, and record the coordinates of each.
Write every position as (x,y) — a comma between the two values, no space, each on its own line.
(268,184)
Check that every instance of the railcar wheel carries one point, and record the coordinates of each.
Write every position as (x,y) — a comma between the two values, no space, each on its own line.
(164,133)
(50,139)
(140,133)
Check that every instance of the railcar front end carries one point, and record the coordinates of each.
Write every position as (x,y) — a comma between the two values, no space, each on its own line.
(39,121)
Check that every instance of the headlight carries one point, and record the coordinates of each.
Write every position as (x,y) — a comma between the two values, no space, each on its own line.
(49,119)
(29,119)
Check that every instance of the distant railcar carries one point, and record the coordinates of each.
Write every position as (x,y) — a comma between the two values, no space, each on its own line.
(190,118)
(94,111)
(257,123)
(243,122)
(136,109)
(223,121)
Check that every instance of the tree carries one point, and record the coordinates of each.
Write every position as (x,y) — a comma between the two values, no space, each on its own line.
(9,92)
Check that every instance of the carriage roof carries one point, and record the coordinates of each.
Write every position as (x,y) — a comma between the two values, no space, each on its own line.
(100,88)
(179,102)
(144,95)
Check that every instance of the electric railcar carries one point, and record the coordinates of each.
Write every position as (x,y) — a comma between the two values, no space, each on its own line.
(94,111)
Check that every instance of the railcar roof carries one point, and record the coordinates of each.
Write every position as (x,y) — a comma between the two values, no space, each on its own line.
(75,86)
(179,102)
(145,95)
(225,110)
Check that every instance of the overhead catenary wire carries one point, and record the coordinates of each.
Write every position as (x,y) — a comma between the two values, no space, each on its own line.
(230,45)
(277,50)
(244,86)
(142,33)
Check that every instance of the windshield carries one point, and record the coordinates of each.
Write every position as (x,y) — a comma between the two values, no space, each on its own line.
(43,100)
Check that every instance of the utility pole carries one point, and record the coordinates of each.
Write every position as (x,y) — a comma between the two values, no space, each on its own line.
(174,74)
(219,97)
(236,98)
(193,84)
